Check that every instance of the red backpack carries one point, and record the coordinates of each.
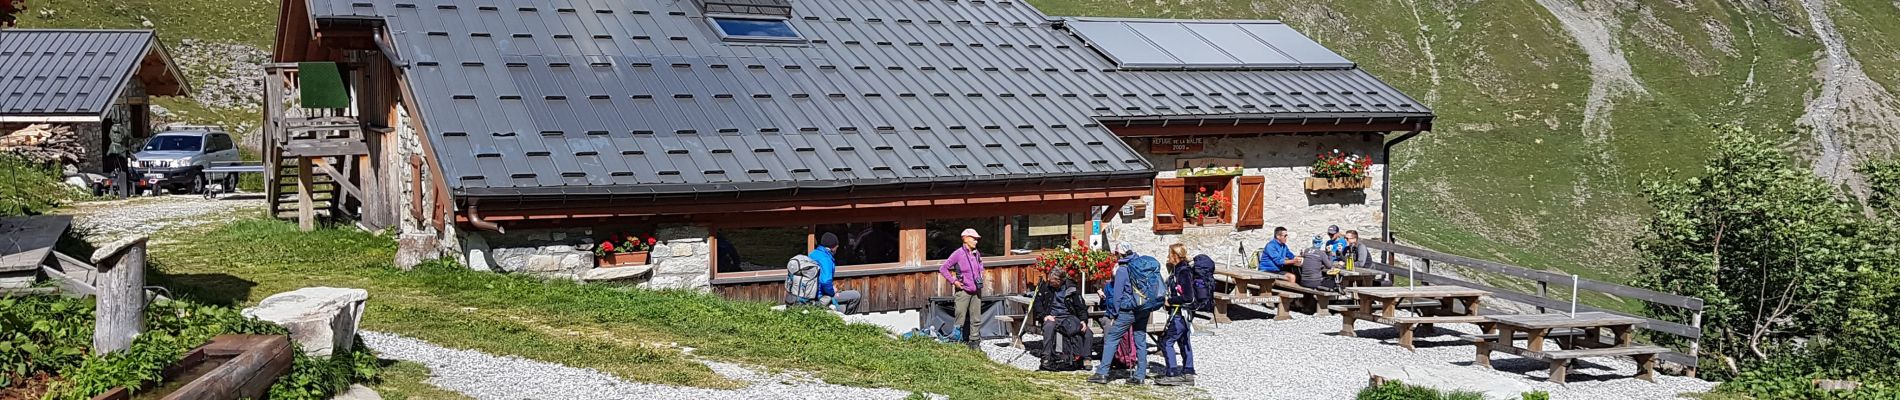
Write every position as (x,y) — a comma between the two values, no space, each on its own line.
(1126,353)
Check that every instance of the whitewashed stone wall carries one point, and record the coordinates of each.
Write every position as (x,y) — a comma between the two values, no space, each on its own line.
(1285,161)
(681,260)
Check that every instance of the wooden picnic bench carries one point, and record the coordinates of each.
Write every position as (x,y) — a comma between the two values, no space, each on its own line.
(1015,322)
(1242,283)
(1585,332)
(1431,304)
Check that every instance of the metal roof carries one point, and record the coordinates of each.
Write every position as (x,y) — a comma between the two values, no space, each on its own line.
(1204,44)
(67,72)
(641,96)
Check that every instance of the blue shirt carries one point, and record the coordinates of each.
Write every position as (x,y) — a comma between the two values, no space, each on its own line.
(1337,247)
(826,266)
(1274,255)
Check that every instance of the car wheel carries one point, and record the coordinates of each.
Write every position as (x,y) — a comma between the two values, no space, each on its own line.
(198,184)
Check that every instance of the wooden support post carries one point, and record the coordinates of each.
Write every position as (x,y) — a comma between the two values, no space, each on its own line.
(1543,289)
(306,205)
(120,314)
(1695,345)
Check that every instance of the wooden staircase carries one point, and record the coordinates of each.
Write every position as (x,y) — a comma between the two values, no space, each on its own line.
(282,188)
(312,153)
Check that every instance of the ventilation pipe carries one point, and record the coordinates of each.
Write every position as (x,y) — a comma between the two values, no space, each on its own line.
(1385,187)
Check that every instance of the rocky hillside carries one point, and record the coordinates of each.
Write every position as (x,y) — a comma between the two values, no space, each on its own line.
(1551,111)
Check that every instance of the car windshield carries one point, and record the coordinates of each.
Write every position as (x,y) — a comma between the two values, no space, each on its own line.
(174,143)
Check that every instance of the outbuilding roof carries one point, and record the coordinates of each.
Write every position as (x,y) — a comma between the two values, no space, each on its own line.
(643,96)
(73,72)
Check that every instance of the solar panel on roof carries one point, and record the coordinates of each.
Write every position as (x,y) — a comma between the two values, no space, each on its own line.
(1167,44)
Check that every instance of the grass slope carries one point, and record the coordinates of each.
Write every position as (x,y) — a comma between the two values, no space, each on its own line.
(631,333)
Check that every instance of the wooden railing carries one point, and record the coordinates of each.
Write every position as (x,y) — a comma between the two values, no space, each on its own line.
(1545,280)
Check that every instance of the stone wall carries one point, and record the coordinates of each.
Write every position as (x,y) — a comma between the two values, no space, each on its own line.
(90,139)
(1285,161)
(680,260)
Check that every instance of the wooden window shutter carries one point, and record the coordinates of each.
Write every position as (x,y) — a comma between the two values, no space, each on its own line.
(1170,207)
(1252,204)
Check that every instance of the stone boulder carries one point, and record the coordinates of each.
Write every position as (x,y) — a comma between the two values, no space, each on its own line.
(1493,386)
(322,320)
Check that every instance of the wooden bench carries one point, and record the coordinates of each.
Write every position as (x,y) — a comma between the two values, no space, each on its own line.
(1317,299)
(1559,360)
(1406,325)
(1566,338)
(1284,300)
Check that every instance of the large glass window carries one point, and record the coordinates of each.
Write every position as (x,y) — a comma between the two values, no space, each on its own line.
(863,242)
(942,236)
(1038,232)
(759,249)
(731,28)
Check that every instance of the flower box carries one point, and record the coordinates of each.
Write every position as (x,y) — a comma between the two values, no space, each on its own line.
(1318,184)
(630,258)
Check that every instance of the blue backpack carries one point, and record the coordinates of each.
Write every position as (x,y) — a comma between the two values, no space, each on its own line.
(1145,292)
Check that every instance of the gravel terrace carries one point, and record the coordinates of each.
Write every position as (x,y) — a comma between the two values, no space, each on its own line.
(1305,358)
(486,376)
(107,221)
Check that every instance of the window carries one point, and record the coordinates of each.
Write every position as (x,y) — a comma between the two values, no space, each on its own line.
(1038,232)
(1174,198)
(1208,201)
(759,249)
(754,29)
(863,242)
(219,142)
(174,143)
(943,236)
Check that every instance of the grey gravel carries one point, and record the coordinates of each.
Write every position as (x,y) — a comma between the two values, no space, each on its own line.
(107,221)
(487,376)
(1305,358)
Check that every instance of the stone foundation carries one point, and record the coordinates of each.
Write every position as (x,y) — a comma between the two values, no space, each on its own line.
(680,260)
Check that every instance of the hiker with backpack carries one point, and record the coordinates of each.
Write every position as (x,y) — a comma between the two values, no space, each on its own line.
(1065,334)
(1138,291)
(1190,288)
(808,279)
(964,271)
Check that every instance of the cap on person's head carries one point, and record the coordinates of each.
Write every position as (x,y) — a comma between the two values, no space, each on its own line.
(1125,248)
(1317,241)
(967,232)
(1332,230)
(828,240)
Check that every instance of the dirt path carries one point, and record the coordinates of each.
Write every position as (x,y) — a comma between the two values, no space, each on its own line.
(106,221)
(1848,99)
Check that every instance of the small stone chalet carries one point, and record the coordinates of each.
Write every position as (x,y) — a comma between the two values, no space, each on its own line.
(516,136)
(97,82)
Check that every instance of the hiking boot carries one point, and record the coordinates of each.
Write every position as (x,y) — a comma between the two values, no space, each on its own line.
(1168,381)
(1187,379)
(1134,381)
(1098,379)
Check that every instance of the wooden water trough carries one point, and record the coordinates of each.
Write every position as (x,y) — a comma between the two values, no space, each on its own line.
(231,367)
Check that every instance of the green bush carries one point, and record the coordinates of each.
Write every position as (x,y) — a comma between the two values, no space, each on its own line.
(27,188)
(58,339)
(1537,395)
(1395,390)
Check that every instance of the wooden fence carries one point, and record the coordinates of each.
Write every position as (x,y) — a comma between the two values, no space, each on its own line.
(891,289)
(1545,280)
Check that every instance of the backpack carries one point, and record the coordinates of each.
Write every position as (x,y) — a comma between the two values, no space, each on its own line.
(801,278)
(1201,286)
(1125,357)
(1145,291)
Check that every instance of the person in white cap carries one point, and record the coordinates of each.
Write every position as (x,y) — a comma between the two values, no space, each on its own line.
(964,271)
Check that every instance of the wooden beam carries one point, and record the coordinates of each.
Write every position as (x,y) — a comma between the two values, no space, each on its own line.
(702,210)
(339,178)
(1185,129)
(306,205)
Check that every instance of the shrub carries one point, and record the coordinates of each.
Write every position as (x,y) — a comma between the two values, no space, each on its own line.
(1395,390)
(28,188)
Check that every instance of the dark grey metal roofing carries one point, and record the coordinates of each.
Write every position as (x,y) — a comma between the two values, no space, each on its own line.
(640,96)
(1204,44)
(66,72)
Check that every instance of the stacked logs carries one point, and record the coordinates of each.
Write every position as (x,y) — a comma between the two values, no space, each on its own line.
(44,144)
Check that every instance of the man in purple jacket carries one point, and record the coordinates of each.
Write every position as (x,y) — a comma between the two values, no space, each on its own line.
(964,271)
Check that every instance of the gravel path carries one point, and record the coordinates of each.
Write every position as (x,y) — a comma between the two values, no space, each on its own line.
(486,376)
(1305,358)
(107,221)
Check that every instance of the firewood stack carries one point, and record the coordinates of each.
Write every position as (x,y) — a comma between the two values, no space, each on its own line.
(44,143)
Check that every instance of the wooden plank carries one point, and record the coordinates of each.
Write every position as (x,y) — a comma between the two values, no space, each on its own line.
(1417,291)
(248,375)
(1560,280)
(1602,352)
(1581,320)
(339,178)
(30,240)
(306,205)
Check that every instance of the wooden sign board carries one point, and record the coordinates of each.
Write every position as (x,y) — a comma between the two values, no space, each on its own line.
(1193,167)
(1171,145)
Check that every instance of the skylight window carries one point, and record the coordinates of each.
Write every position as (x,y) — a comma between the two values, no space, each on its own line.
(755,29)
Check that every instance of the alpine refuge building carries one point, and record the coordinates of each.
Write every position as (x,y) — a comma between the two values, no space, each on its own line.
(97,83)
(708,141)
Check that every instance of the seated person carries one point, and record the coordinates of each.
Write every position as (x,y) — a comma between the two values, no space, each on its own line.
(846,301)
(1316,271)
(1061,312)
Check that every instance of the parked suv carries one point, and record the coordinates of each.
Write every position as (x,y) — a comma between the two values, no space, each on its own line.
(175,159)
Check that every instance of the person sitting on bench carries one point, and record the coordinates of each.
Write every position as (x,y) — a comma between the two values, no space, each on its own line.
(1316,269)
(1065,335)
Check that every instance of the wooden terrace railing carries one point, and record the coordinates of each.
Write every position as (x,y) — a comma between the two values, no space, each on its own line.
(1544,280)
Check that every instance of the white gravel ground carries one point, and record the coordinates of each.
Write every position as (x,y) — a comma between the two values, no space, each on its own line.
(108,221)
(1305,358)
(486,376)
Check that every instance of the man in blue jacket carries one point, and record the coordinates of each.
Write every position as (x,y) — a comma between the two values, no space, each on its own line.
(827,266)
(1276,257)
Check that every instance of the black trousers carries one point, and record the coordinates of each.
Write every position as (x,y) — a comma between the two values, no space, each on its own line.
(1064,340)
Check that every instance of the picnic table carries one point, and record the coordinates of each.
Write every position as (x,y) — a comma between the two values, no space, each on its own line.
(1432,304)
(1579,335)
(1157,323)
(1241,280)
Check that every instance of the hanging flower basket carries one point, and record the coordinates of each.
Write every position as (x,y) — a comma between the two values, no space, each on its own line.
(624,251)
(1319,184)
